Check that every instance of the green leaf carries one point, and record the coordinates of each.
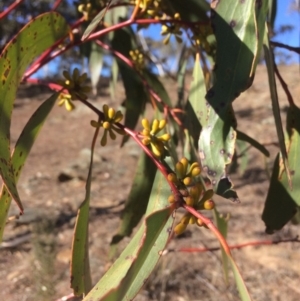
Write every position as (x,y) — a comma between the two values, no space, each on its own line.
(275,105)
(222,225)
(241,286)
(95,22)
(196,108)
(138,198)
(129,272)
(236,30)
(37,36)
(95,65)
(114,78)
(21,152)
(81,281)
(282,202)
(244,137)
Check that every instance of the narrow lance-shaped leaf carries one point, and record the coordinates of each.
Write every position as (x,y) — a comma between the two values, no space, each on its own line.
(37,36)
(81,281)
(275,105)
(21,152)
(129,272)
(222,225)
(196,108)
(95,65)
(95,22)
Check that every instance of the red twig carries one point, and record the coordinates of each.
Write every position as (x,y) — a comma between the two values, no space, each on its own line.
(144,81)
(10,8)
(281,45)
(209,225)
(238,246)
(56,4)
(284,86)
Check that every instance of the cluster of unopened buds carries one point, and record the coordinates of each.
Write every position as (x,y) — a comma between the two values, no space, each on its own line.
(185,179)
(172,29)
(75,84)
(152,8)
(138,59)
(111,117)
(200,36)
(149,136)
(90,9)
(65,99)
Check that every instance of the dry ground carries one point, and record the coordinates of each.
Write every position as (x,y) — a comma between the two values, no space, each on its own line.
(38,268)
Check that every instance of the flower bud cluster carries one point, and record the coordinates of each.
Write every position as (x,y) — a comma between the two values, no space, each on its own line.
(111,117)
(172,29)
(75,84)
(185,177)
(149,136)
(65,99)
(138,59)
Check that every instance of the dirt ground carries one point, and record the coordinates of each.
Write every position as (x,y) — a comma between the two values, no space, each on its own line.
(35,254)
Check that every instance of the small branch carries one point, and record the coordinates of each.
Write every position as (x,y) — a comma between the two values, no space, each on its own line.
(129,63)
(284,86)
(209,225)
(56,4)
(135,11)
(238,246)
(10,8)
(281,45)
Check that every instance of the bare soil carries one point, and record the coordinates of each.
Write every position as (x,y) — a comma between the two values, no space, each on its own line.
(35,254)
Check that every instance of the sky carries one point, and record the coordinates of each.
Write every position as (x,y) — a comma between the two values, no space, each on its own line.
(285,16)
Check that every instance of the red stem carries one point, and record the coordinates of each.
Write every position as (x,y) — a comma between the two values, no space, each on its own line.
(10,8)
(239,246)
(209,225)
(56,4)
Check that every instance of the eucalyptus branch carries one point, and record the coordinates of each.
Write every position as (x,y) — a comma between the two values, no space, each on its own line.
(13,6)
(281,45)
(256,243)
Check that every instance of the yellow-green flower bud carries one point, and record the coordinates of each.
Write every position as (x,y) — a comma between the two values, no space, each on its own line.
(192,220)
(189,201)
(209,205)
(185,219)
(171,199)
(146,141)
(187,181)
(199,222)
(185,163)
(180,170)
(145,124)
(111,113)
(118,116)
(165,137)
(162,124)
(179,228)
(195,171)
(106,125)
(172,178)
(154,128)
